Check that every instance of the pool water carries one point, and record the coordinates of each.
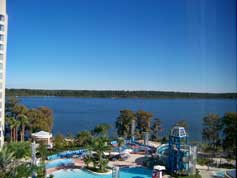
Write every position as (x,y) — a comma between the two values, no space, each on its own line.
(124,147)
(220,174)
(124,173)
(58,163)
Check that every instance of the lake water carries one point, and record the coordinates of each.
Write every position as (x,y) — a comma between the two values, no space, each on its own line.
(72,115)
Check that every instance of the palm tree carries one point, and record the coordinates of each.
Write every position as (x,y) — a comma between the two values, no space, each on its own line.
(100,146)
(120,143)
(23,122)
(23,170)
(10,123)
(87,160)
(12,167)
(83,138)
(15,124)
(6,162)
(156,128)
(102,129)
(20,149)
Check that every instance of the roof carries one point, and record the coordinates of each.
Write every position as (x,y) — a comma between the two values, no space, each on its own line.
(178,131)
(159,167)
(42,134)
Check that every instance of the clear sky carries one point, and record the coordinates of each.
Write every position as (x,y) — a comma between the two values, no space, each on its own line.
(171,45)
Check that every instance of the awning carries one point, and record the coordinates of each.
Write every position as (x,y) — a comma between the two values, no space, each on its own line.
(42,135)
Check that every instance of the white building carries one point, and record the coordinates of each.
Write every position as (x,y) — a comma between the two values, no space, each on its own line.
(3,51)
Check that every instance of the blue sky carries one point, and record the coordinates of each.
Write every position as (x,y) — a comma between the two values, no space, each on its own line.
(171,45)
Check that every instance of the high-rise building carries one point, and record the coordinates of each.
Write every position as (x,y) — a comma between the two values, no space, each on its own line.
(3,51)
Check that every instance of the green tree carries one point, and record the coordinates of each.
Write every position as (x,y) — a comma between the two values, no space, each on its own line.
(87,160)
(19,109)
(101,129)
(41,171)
(124,123)
(43,152)
(143,122)
(10,124)
(15,124)
(156,129)
(84,138)
(23,170)
(12,167)
(47,116)
(40,119)
(6,162)
(100,146)
(10,104)
(211,130)
(59,142)
(229,122)
(183,123)
(120,141)
(24,121)
(20,149)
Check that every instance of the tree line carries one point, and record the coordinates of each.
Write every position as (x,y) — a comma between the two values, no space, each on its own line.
(116,94)
(220,133)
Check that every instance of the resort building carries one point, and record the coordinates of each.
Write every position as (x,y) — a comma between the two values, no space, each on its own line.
(3,50)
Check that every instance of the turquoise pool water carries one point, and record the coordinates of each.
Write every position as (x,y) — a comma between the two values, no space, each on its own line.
(124,173)
(58,163)
(220,174)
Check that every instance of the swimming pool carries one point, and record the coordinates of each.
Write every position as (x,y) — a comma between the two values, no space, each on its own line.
(124,173)
(220,174)
(59,163)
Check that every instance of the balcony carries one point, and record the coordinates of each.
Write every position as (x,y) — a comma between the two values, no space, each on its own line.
(1,28)
(2,18)
(1,37)
(1,48)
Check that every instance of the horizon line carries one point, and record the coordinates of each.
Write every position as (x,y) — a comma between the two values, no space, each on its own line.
(123,90)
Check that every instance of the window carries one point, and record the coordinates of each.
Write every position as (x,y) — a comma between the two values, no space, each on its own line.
(1,37)
(1,57)
(2,18)
(1,66)
(0,88)
(1,28)
(1,46)
(1,78)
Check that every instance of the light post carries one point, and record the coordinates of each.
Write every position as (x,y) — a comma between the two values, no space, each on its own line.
(133,130)
(33,155)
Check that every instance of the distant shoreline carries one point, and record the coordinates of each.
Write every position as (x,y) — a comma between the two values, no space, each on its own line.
(117,94)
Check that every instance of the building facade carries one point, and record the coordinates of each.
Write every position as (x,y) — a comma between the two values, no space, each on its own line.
(3,51)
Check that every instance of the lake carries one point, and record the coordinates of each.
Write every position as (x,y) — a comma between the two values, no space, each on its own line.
(72,115)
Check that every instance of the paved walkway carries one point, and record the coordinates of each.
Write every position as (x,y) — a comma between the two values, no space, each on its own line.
(205,173)
(131,161)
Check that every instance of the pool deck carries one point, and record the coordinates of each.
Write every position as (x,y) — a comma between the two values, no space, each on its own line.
(131,161)
(205,173)
(78,163)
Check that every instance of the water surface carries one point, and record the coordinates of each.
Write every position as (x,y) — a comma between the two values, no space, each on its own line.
(76,114)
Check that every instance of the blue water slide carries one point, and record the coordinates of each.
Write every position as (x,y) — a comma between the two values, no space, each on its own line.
(162,148)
